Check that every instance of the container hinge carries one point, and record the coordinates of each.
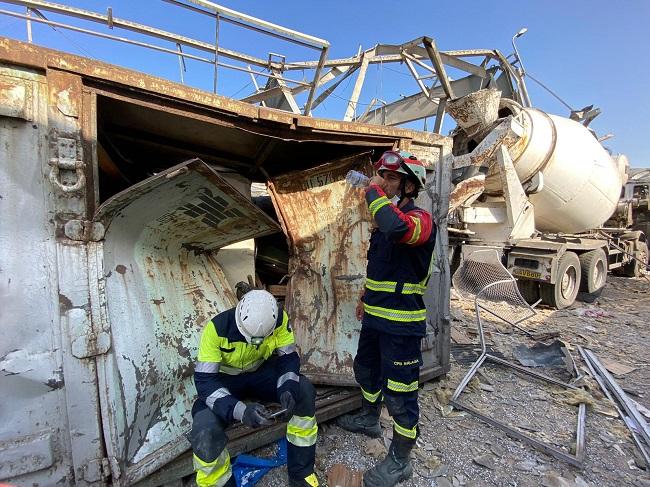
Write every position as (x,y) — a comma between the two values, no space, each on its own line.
(84,230)
(67,160)
(91,345)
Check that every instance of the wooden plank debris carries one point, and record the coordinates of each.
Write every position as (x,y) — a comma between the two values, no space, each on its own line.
(459,337)
(341,476)
(617,368)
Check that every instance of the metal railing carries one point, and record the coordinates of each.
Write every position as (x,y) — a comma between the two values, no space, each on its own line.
(219,13)
(427,66)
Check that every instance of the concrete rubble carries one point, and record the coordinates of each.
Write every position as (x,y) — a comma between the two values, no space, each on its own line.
(456,449)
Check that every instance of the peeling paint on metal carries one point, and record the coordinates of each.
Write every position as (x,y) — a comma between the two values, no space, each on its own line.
(476,111)
(56,382)
(64,303)
(465,191)
(16,98)
(329,228)
(174,285)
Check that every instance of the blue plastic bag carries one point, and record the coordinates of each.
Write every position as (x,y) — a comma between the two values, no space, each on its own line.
(248,470)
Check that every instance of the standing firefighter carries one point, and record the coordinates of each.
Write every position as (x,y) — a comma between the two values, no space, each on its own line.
(249,352)
(388,360)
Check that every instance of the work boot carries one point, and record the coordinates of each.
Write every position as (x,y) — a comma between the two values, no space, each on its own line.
(365,421)
(309,481)
(393,469)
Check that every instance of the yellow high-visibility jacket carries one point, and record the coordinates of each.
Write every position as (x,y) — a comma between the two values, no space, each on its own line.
(223,351)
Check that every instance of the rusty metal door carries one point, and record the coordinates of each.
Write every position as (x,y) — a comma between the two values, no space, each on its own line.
(328,226)
(158,282)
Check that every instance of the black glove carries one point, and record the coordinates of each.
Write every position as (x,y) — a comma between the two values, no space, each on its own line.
(255,415)
(288,403)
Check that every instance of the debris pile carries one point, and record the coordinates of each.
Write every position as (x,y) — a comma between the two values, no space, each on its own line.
(456,449)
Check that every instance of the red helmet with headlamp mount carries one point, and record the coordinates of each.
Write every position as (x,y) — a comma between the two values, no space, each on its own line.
(405,163)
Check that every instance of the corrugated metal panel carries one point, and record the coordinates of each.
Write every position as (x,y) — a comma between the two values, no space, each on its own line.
(162,283)
(238,260)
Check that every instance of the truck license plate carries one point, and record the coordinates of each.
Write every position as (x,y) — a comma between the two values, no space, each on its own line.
(526,273)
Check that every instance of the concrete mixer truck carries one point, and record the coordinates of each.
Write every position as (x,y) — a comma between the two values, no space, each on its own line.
(538,189)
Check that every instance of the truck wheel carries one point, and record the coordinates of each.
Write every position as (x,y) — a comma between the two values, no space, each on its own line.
(563,293)
(594,270)
(640,262)
(529,290)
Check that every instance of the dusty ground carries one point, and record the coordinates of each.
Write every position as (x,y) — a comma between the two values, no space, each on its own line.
(457,449)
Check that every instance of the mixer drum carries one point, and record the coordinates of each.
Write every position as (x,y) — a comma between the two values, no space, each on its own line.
(582,182)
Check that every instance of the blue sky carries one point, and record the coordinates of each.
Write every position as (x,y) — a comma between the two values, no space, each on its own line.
(589,52)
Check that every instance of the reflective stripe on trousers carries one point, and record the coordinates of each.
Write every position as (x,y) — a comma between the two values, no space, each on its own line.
(395,314)
(302,430)
(370,397)
(288,376)
(410,433)
(396,386)
(215,473)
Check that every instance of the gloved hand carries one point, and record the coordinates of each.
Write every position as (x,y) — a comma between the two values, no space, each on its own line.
(255,415)
(289,403)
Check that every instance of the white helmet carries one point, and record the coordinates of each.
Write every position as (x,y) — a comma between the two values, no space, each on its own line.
(256,315)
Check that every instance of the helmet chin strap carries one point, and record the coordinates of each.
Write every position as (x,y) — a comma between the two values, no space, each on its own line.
(402,190)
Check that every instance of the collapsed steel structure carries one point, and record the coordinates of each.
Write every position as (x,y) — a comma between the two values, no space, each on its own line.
(430,68)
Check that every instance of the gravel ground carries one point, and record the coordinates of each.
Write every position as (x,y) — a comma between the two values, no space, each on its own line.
(459,450)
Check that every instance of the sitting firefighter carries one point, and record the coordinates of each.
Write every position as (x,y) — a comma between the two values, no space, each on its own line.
(249,352)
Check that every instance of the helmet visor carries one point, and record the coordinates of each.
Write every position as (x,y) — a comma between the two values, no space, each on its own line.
(389,160)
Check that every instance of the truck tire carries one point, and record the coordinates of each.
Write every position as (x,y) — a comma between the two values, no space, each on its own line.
(594,270)
(529,290)
(639,263)
(563,293)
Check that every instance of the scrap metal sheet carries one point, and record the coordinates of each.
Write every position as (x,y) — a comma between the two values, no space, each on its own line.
(328,226)
(162,282)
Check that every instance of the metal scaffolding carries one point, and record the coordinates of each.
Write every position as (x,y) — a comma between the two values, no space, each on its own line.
(428,66)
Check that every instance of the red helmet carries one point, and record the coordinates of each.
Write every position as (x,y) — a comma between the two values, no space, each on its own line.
(405,163)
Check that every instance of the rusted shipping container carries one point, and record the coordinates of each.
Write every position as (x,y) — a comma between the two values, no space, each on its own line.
(119,192)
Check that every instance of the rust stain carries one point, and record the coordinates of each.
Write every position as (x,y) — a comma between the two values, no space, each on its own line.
(26,54)
(476,111)
(195,249)
(121,269)
(16,99)
(465,190)
(65,303)
(64,91)
(328,224)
